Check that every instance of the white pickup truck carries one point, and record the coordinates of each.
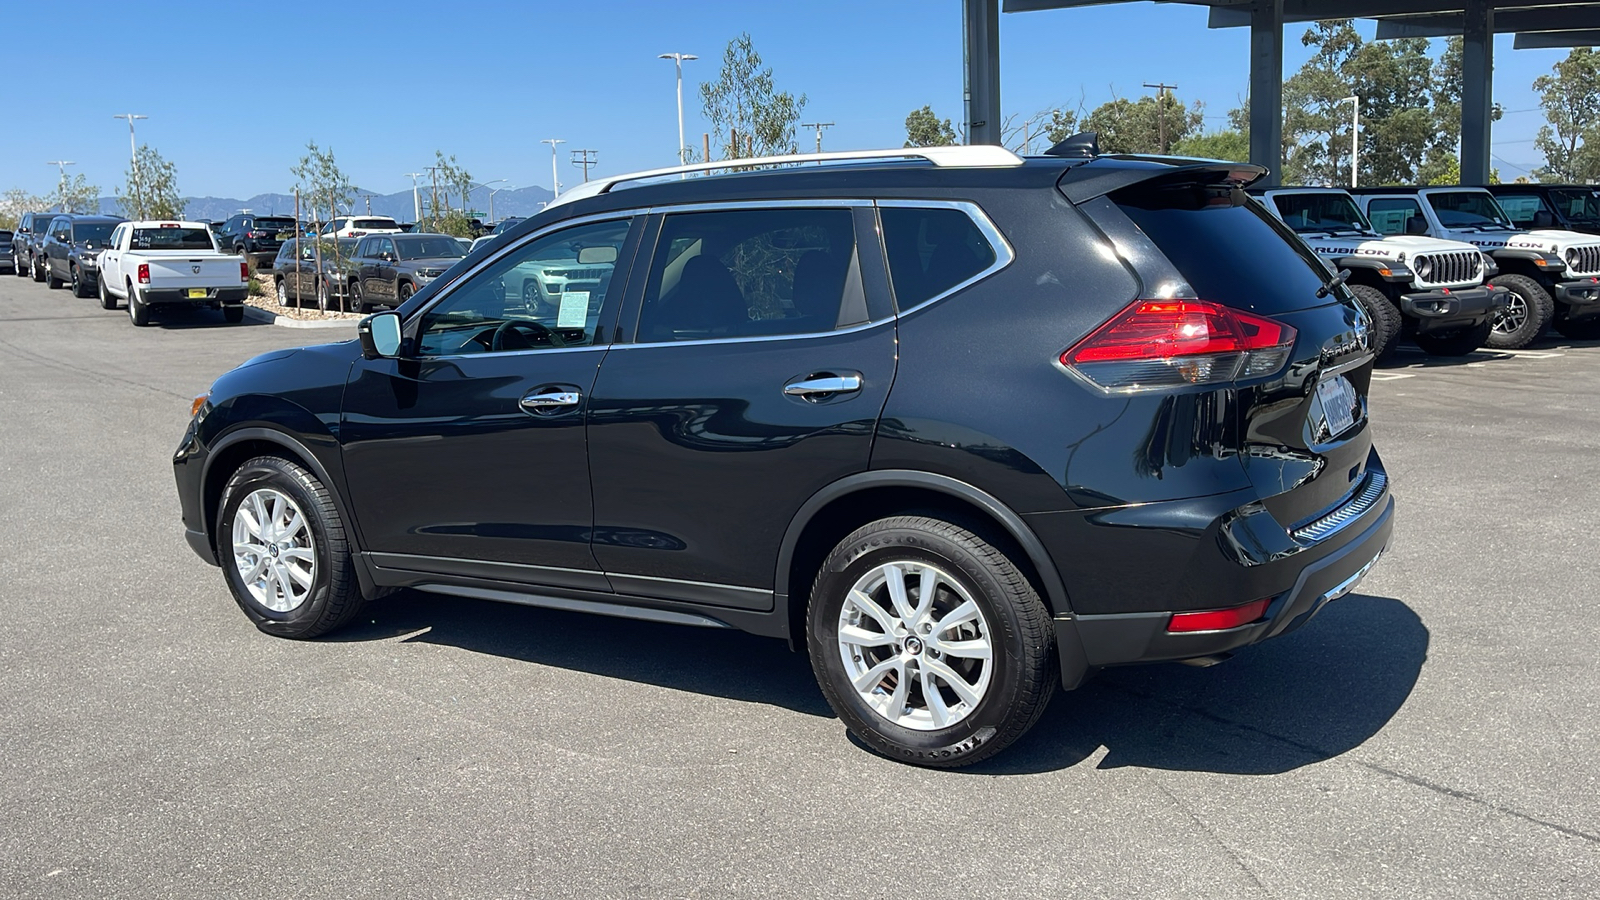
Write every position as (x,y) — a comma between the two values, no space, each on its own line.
(153,263)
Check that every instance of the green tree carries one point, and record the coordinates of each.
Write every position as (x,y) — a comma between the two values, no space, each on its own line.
(449,175)
(745,101)
(1225,144)
(77,195)
(322,184)
(15,202)
(1138,126)
(1059,125)
(1570,139)
(152,188)
(925,129)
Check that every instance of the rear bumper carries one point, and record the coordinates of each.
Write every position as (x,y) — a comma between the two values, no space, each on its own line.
(1582,298)
(229,296)
(1449,309)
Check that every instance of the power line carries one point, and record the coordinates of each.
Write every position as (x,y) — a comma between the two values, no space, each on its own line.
(583,159)
(818,126)
(1161,108)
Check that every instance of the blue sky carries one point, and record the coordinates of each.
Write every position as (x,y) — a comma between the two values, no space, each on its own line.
(387,84)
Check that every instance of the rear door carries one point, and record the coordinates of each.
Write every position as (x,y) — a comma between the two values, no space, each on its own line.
(755,377)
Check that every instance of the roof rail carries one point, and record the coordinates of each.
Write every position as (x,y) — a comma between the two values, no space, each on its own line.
(974,156)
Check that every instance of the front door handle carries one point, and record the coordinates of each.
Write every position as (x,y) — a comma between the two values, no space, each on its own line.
(550,400)
(825,384)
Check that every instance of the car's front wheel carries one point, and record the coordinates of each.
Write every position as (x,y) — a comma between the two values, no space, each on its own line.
(284,551)
(929,642)
(106,300)
(283,293)
(406,290)
(1528,311)
(357,297)
(1387,322)
(35,268)
(50,279)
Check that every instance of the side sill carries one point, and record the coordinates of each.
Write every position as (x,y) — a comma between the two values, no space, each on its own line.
(595,607)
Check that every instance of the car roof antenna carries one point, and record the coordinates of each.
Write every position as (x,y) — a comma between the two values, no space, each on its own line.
(1084,145)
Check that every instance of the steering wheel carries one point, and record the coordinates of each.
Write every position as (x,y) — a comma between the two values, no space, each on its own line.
(497,342)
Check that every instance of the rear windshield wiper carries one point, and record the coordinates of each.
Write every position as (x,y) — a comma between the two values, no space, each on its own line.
(1334,282)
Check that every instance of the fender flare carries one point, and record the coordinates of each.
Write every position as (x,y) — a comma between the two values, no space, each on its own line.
(1013,524)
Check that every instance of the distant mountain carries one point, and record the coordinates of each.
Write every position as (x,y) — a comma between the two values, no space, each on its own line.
(520,202)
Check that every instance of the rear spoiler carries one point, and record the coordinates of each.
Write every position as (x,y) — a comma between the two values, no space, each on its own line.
(1083,183)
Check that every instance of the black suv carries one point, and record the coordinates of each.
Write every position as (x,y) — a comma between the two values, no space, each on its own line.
(257,238)
(26,242)
(964,426)
(72,249)
(1571,207)
(6,259)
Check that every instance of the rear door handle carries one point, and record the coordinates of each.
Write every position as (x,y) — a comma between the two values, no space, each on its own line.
(544,400)
(824,384)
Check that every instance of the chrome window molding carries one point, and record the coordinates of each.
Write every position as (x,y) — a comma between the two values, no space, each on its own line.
(1003,254)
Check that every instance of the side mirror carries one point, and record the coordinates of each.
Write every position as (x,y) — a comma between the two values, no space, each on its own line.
(380,335)
(1416,225)
(1543,219)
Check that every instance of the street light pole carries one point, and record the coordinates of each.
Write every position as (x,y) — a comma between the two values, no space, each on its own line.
(491,198)
(555,174)
(491,195)
(62,165)
(133,148)
(677,62)
(1355,137)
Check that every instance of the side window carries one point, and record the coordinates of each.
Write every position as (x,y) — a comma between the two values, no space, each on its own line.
(744,273)
(287,251)
(1389,215)
(363,248)
(1520,208)
(931,251)
(550,292)
(386,247)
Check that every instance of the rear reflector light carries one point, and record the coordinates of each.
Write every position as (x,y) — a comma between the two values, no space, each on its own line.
(1218,619)
(244,271)
(144,273)
(1156,344)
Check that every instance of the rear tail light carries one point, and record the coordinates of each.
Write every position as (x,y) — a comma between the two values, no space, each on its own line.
(1156,344)
(144,273)
(1218,619)
(244,271)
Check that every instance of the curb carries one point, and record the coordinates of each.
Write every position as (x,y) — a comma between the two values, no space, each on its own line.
(258,314)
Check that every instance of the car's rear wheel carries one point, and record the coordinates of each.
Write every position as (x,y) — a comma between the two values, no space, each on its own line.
(284,552)
(138,310)
(928,641)
(1528,312)
(1581,329)
(1387,322)
(1457,342)
(106,300)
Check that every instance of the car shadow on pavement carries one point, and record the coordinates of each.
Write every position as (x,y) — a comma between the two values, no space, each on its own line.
(1296,700)
(178,317)
(714,661)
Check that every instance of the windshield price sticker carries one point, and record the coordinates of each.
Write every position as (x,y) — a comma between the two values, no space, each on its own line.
(574,310)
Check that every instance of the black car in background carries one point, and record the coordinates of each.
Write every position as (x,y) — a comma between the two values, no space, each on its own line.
(26,242)
(392,267)
(966,426)
(7,261)
(297,277)
(257,238)
(1569,207)
(71,249)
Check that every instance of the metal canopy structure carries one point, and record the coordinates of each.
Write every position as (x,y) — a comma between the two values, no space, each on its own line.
(1536,24)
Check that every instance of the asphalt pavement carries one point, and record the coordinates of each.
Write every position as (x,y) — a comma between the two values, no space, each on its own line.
(1436,734)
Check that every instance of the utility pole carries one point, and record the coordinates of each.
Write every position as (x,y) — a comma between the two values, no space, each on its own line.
(416,200)
(1355,137)
(818,126)
(62,165)
(555,175)
(677,61)
(433,209)
(1161,108)
(133,148)
(584,159)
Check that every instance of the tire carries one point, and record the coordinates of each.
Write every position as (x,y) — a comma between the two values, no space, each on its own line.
(406,290)
(16,265)
(35,269)
(1387,321)
(79,289)
(1003,695)
(106,300)
(50,279)
(322,294)
(357,297)
(1587,329)
(1458,342)
(283,294)
(1527,314)
(138,310)
(306,581)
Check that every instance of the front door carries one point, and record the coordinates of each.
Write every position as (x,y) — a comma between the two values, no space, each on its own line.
(471,447)
(755,379)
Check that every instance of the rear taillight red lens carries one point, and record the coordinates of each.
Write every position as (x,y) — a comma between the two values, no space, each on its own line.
(1218,619)
(144,273)
(244,271)
(1155,344)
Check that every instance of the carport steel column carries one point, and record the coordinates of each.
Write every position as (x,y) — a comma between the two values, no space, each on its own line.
(1477,82)
(981,49)
(1266,88)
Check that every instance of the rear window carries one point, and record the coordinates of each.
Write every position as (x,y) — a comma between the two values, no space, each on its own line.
(172,239)
(274,224)
(1229,248)
(373,223)
(931,251)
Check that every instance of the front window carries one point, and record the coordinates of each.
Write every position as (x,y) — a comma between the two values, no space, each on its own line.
(176,238)
(1331,212)
(1467,209)
(428,248)
(515,304)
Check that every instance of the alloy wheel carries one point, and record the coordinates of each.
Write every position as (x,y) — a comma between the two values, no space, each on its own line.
(915,646)
(1514,316)
(273,550)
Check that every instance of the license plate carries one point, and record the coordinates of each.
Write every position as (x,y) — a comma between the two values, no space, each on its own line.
(1338,398)
(197,293)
